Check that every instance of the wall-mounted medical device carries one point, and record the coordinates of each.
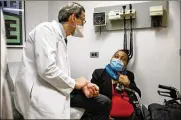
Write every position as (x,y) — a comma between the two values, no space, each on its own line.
(145,15)
(156,14)
(119,15)
(114,15)
(99,19)
(128,13)
(156,11)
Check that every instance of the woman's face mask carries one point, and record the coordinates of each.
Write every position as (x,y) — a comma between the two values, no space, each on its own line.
(116,64)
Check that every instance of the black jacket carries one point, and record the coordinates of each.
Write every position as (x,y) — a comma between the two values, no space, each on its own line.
(101,78)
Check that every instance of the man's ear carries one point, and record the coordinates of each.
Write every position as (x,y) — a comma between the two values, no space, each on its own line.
(73,16)
(71,19)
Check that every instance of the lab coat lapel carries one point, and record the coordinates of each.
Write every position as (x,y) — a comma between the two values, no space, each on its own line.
(59,32)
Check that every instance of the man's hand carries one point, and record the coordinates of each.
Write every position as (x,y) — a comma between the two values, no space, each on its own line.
(80,82)
(86,92)
(91,90)
(124,80)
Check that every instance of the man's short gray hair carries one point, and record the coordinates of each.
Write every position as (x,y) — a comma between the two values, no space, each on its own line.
(68,10)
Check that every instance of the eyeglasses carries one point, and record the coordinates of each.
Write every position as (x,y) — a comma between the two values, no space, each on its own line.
(83,20)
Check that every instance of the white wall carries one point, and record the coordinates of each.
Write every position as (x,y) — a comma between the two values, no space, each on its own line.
(53,9)
(156,58)
(35,13)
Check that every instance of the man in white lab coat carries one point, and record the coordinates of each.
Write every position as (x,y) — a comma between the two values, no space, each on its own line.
(43,84)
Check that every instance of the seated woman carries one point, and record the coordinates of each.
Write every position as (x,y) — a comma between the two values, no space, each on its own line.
(107,79)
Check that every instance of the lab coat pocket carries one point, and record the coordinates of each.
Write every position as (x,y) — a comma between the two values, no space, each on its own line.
(51,101)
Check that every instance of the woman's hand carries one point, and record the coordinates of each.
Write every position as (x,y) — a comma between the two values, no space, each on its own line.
(124,80)
(91,90)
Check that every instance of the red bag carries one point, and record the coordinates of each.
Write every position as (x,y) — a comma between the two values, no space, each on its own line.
(120,105)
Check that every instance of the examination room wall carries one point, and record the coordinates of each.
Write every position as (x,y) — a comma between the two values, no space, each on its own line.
(156,57)
(35,13)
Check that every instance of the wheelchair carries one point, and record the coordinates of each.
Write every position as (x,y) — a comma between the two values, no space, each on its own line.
(173,93)
(140,111)
(171,109)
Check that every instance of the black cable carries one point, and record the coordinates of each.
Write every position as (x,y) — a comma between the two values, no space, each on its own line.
(100,29)
(100,26)
(131,34)
(125,36)
(129,52)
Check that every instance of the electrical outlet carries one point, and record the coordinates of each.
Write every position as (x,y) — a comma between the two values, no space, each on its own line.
(94,54)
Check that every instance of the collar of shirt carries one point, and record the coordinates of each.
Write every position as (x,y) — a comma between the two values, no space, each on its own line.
(63,32)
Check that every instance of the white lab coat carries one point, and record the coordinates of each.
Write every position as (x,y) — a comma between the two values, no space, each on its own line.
(43,84)
(6,111)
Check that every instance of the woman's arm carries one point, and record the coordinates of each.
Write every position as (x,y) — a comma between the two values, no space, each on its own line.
(96,77)
(132,84)
(128,81)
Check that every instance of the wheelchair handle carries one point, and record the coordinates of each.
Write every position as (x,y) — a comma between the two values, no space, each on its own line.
(129,90)
(163,93)
(165,87)
(174,93)
(121,88)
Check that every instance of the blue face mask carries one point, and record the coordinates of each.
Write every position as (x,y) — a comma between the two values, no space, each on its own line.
(114,74)
(116,64)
